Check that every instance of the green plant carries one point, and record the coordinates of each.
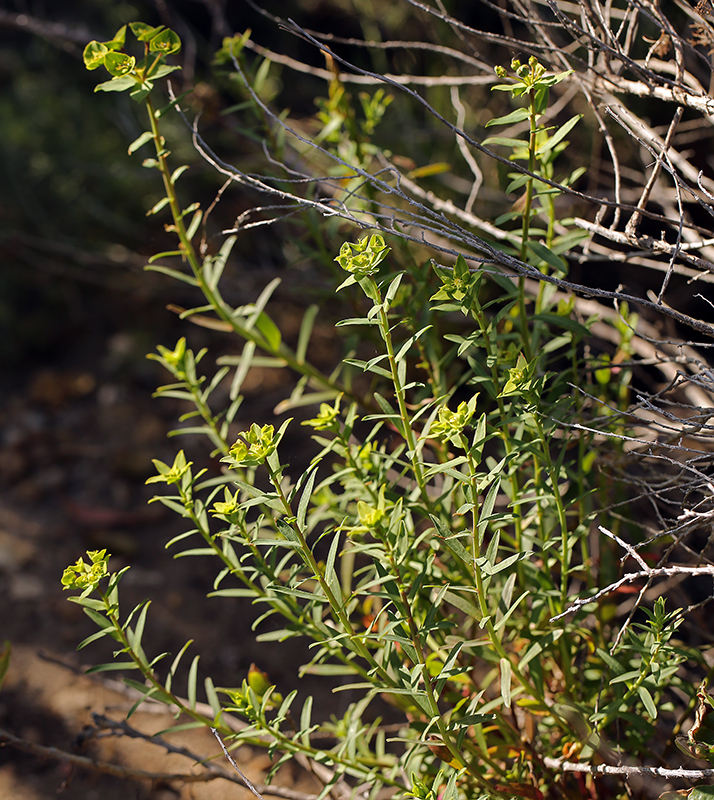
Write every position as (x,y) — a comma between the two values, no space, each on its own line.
(430,545)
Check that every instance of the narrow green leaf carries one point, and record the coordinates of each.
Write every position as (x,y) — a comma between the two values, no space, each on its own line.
(559,135)
(300,593)
(384,404)
(504,619)
(145,690)
(116,85)
(270,331)
(261,75)
(143,139)
(180,276)
(561,244)
(506,682)
(547,255)
(98,618)
(262,301)
(160,112)
(517,182)
(515,116)
(505,141)
(392,290)
(611,662)
(451,541)
(243,366)
(165,254)
(145,695)
(489,559)
(701,793)
(406,347)
(308,320)
(192,679)
(447,465)
(504,564)
(195,222)
(356,321)
(175,665)
(632,675)
(165,70)
(451,791)
(285,705)
(197,551)
(330,573)
(305,499)
(139,632)
(479,439)
(305,719)
(648,702)
(213,266)
(329,669)
(463,604)
(487,509)
(233,593)
(113,666)
(472,719)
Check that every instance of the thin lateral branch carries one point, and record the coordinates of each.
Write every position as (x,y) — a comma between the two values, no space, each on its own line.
(512,165)
(607,769)
(703,103)
(211,771)
(105,767)
(656,572)
(468,158)
(647,243)
(634,221)
(366,80)
(235,766)
(376,45)
(453,232)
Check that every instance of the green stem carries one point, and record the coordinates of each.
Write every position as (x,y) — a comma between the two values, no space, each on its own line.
(145,670)
(336,603)
(504,433)
(222,311)
(493,634)
(294,613)
(560,511)
(407,432)
(290,743)
(525,234)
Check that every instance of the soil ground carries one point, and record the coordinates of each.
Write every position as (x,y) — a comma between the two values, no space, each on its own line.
(78,431)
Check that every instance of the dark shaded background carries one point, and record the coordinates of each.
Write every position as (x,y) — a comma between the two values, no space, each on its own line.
(78,426)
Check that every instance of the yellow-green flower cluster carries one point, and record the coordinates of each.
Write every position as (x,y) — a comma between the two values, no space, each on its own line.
(229,509)
(173,360)
(458,283)
(326,417)
(363,258)
(450,424)
(171,474)
(84,576)
(253,447)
